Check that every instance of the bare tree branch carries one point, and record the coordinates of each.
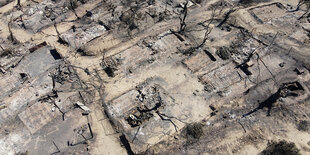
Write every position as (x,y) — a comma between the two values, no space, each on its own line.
(208,29)
(18,5)
(73,6)
(226,16)
(183,18)
(11,36)
(307,11)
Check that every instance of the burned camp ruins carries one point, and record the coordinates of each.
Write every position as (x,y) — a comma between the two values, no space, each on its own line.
(154,77)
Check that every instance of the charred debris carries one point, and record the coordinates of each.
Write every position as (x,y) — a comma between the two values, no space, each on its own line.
(154,76)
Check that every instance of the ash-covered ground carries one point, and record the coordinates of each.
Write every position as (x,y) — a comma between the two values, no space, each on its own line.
(154,77)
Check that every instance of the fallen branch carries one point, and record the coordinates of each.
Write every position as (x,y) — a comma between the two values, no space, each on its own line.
(85,139)
(60,40)
(72,6)
(300,3)
(63,113)
(273,77)
(226,17)
(242,126)
(58,151)
(165,119)
(134,137)
(303,15)
(2,48)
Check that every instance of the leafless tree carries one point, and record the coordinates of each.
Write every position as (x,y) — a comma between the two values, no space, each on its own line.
(73,5)
(11,36)
(208,29)
(182,17)
(227,14)
(307,2)
(22,20)
(18,4)
(60,40)
(302,2)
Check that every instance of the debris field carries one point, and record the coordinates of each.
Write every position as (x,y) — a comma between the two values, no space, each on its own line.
(154,77)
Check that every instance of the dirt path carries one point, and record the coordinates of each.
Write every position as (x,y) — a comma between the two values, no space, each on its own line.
(106,140)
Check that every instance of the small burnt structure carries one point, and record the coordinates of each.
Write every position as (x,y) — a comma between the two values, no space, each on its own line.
(137,114)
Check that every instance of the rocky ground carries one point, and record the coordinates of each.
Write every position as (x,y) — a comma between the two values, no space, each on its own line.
(154,77)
